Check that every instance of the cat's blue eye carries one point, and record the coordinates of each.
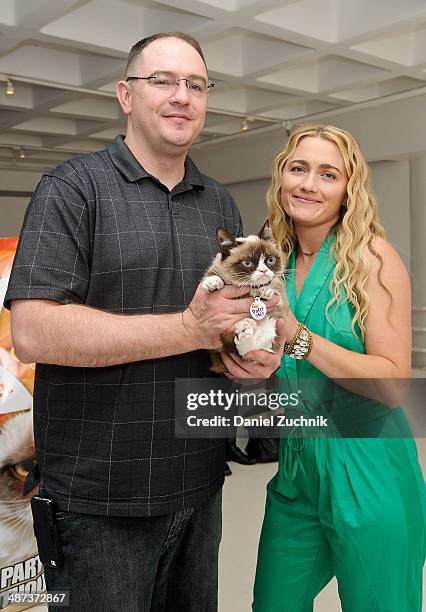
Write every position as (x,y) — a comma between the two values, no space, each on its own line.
(247,263)
(271,260)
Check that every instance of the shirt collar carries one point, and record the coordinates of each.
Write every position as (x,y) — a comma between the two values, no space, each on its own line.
(124,160)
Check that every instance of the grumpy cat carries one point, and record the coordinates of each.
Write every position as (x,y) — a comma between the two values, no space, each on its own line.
(254,263)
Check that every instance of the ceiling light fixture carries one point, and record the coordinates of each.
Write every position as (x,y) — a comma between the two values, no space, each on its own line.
(288,125)
(244,125)
(10,90)
(22,154)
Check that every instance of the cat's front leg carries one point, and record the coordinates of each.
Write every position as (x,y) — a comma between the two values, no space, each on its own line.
(265,293)
(244,335)
(245,327)
(212,283)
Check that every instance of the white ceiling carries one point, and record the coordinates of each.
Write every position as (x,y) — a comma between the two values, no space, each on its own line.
(272,61)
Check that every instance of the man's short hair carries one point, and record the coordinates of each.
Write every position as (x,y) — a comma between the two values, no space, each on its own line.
(137,48)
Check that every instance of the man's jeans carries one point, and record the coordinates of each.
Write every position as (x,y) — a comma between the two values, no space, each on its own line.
(146,564)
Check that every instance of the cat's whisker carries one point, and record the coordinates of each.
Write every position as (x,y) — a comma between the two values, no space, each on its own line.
(245,286)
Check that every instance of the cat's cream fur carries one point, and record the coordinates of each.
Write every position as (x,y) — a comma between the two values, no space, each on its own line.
(264,277)
(16,529)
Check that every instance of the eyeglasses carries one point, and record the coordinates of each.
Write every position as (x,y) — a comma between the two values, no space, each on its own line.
(166,81)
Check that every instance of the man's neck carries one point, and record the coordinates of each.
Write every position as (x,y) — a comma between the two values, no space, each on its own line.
(169,168)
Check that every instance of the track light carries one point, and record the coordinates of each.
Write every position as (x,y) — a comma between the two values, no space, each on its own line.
(244,125)
(288,125)
(10,90)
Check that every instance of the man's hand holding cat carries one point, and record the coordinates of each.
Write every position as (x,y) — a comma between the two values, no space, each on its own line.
(212,313)
(256,364)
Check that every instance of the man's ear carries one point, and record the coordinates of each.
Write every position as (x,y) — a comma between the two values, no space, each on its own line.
(265,233)
(226,241)
(122,91)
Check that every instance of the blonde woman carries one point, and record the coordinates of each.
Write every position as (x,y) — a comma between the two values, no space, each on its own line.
(350,507)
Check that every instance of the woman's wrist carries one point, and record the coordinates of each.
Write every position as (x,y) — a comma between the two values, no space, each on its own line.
(300,344)
(292,328)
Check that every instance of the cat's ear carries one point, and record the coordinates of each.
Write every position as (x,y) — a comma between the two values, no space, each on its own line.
(265,233)
(226,240)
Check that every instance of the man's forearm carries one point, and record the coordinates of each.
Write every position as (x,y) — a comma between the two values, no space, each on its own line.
(76,335)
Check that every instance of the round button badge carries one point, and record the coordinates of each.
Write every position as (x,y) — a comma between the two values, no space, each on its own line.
(258,309)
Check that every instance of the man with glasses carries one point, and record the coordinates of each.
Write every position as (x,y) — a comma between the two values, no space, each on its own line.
(104,299)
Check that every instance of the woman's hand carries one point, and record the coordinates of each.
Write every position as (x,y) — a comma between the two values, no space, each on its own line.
(290,326)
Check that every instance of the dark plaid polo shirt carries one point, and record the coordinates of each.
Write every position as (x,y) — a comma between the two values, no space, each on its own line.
(101,231)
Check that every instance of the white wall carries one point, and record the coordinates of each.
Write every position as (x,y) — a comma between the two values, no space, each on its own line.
(396,130)
(12,208)
(19,180)
(391,184)
(390,135)
(250,197)
(12,212)
(418,252)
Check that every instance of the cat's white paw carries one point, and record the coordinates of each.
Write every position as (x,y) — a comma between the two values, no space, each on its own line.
(212,283)
(244,335)
(245,339)
(244,328)
(266,293)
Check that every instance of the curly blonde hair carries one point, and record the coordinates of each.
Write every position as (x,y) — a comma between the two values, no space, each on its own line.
(357,225)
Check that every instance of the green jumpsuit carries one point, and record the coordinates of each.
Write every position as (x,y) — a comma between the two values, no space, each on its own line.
(350,507)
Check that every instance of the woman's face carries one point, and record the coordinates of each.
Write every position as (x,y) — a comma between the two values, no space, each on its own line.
(314,182)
